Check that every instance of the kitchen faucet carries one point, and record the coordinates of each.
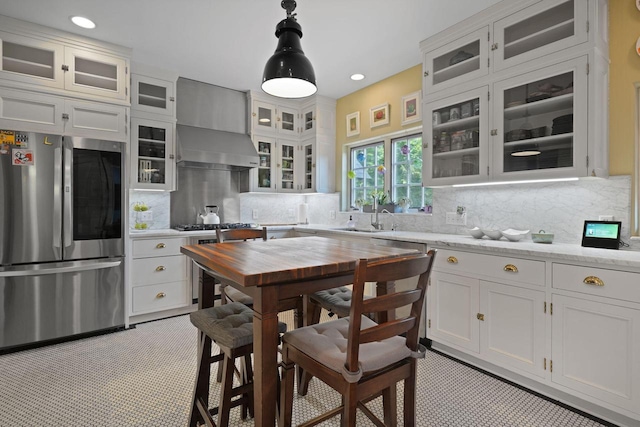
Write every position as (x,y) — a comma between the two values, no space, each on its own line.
(375,224)
(393,224)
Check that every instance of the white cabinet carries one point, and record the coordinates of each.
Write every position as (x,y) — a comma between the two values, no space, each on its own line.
(152,154)
(539,30)
(492,307)
(272,118)
(317,160)
(461,60)
(159,275)
(55,61)
(31,111)
(542,64)
(153,93)
(277,165)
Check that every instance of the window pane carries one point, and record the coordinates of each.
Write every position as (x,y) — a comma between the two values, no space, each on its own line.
(407,171)
(364,176)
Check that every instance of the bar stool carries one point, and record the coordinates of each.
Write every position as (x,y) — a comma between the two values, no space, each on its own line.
(230,326)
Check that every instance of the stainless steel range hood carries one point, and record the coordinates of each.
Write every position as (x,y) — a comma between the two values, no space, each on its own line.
(212,129)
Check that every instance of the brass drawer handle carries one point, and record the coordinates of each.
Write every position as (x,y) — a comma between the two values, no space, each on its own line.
(161,295)
(161,268)
(510,267)
(161,246)
(593,280)
(452,260)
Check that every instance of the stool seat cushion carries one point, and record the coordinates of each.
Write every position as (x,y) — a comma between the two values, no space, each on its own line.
(237,296)
(229,325)
(336,300)
(327,343)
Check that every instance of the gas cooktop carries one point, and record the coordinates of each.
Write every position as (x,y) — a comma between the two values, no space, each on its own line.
(223,226)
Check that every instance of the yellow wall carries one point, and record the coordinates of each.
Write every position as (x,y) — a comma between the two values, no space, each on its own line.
(390,90)
(624,28)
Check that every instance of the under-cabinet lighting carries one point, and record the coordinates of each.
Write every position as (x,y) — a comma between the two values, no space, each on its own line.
(526,181)
(525,153)
(83,22)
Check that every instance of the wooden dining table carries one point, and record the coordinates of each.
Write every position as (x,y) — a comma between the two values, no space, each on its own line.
(272,271)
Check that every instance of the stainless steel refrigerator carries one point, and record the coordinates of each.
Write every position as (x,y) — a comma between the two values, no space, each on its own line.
(61,238)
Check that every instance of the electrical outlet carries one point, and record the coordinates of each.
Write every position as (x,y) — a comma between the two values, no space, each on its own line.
(605,218)
(254,214)
(332,214)
(454,218)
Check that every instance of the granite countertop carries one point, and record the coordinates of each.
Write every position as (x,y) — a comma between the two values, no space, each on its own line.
(555,251)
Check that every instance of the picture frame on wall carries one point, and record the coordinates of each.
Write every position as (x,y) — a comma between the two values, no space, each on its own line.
(411,111)
(353,124)
(379,115)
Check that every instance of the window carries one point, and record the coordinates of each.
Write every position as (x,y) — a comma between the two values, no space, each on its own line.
(364,174)
(406,177)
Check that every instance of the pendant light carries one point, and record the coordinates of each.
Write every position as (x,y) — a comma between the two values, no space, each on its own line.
(288,73)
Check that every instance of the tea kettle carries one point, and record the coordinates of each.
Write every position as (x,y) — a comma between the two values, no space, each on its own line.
(211,215)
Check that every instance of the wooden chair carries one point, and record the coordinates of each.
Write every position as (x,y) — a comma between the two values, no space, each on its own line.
(357,357)
(230,327)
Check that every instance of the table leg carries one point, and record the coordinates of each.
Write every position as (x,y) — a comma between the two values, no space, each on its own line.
(265,350)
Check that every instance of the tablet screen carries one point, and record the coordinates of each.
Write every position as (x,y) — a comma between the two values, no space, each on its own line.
(601,234)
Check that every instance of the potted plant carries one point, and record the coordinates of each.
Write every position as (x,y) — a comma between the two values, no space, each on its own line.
(405,204)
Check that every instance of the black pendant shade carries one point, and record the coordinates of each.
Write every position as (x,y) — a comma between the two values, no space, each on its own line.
(288,73)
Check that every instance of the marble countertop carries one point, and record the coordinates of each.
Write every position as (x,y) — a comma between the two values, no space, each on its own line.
(555,251)
(526,248)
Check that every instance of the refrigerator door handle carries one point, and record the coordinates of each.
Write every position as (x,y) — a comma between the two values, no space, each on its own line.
(57,202)
(67,186)
(71,267)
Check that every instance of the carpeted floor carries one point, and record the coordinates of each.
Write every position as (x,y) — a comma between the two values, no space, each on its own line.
(145,376)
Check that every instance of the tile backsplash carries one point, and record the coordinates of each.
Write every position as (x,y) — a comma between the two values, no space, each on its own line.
(159,206)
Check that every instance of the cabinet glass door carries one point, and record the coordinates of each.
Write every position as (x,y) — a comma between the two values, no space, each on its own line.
(152,95)
(30,60)
(457,127)
(264,171)
(153,148)
(287,163)
(263,117)
(539,30)
(535,116)
(96,74)
(458,61)
(309,166)
(287,119)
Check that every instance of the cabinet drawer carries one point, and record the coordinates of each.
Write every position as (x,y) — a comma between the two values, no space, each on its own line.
(160,297)
(492,267)
(622,285)
(149,271)
(157,247)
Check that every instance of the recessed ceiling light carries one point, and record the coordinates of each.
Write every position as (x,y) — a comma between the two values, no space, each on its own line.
(83,22)
(357,76)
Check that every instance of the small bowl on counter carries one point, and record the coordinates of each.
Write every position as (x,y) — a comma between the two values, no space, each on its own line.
(475,232)
(493,234)
(542,237)
(514,235)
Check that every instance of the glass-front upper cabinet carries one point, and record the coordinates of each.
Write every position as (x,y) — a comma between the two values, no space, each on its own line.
(455,146)
(309,166)
(534,134)
(152,95)
(288,120)
(263,117)
(287,166)
(30,60)
(538,30)
(152,154)
(265,172)
(459,61)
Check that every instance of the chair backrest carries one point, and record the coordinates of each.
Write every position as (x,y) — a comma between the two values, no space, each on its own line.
(241,234)
(388,326)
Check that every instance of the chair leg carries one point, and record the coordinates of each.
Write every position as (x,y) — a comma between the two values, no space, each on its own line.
(201,389)
(390,406)
(247,378)
(350,403)
(225,392)
(410,397)
(286,390)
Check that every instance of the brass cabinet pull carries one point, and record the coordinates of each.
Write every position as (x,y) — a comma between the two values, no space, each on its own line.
(161,268)
(593,280)
(161,246)
(161,295)
(510,267)
(452,260)
(480,316)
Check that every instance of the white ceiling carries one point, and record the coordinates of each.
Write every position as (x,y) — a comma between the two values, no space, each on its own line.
(227,42)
